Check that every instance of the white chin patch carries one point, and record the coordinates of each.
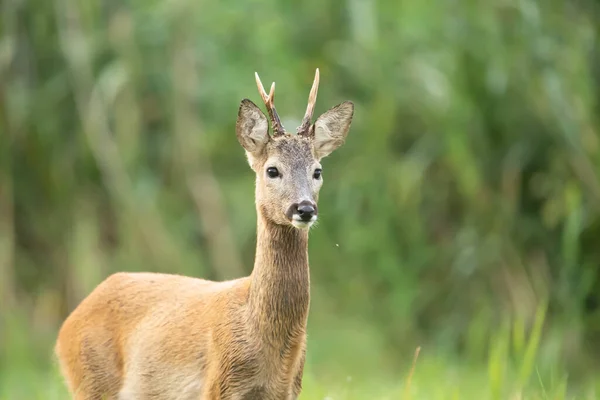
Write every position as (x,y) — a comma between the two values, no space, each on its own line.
(300,224)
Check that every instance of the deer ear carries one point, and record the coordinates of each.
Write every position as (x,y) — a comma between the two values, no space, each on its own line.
(252,128)
(331,128)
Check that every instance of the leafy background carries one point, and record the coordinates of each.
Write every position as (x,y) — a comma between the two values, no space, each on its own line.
(461,216)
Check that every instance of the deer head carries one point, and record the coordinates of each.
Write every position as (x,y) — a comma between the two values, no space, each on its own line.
(287,166)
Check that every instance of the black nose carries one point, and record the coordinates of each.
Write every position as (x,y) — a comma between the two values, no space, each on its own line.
(305,211)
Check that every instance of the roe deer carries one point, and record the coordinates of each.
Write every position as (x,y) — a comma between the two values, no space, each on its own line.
(158,336)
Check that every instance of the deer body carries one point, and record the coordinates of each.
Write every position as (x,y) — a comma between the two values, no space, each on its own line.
(159,336)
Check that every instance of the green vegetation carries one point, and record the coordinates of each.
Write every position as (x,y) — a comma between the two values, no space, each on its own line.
(462,215)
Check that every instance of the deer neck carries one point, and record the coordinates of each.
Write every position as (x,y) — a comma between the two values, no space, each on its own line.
(280,283)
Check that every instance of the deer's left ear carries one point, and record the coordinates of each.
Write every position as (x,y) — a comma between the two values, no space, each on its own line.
(331,128)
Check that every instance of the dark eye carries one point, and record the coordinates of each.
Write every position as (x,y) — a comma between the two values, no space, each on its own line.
(317,173)
(272,172)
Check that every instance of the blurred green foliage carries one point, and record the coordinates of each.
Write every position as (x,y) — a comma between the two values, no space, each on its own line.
(462,215)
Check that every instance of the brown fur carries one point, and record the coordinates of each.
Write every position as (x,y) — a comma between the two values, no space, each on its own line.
(157,336)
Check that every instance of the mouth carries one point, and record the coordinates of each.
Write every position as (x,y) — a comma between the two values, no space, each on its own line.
(299,223)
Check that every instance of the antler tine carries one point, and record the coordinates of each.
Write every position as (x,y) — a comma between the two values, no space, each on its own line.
(261,88)
(310,108)
(268,100)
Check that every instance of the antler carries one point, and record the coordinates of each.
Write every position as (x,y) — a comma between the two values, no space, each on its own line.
(268,99)
(312,99)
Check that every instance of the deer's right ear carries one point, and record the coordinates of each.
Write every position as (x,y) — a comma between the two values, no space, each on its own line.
(252,128)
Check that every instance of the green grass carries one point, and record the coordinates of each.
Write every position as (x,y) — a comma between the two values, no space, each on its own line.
(514,369)
(433,378)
